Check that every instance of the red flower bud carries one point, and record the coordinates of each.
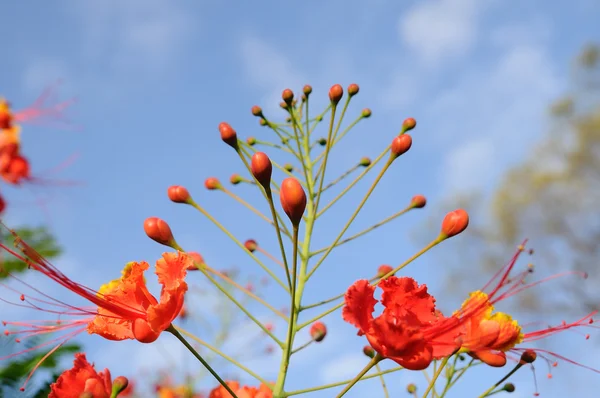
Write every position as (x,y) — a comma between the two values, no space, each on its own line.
(401,144)
(408,124)
(369,351)
(353,89)
(318,331)
(228,134)
(158,230)
(235,179)
(384,270)
(262,169)
(335,93)
(366,113)
(178,194)
(528,356)
(287,96)
(119,385)
(293,199)
(307,90)
(250,245)
(198,260)
(455,222)
(418,201)
(212,183)
(257,111)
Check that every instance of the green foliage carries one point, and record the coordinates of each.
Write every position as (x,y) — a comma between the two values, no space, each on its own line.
(39,238)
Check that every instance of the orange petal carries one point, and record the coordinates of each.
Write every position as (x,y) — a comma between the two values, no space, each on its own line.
(360,305)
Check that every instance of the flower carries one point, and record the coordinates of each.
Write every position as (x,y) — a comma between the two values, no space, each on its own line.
(241,391)
(83,378)
(410,331)
(487,335)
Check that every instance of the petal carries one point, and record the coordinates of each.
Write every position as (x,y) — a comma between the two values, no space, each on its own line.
(396,339)
(360,305)
(419,361)
(172,268)
(110,326)
(492,358)
(71,383)
(404,299)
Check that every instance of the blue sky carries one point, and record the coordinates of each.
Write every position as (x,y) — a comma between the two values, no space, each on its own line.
(155,78)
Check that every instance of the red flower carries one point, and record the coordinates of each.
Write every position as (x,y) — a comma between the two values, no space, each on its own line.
(410,331)
(82,378)
(241,391)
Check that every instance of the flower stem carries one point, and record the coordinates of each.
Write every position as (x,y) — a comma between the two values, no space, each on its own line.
(363,372)
(435,377)
(171,329)
(489,392)
(385,390)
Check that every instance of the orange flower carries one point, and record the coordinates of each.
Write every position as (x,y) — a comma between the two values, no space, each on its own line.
(83,378)
(124,308)
(410,331)
(487,335)
(242,392)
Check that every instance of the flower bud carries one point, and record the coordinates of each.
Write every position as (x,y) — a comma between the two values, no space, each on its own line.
(287,96)
(528,356)
(197,260)
(159,231)
(251,141)
(235,179)
(257,111)
(509,387)
(454,223)
(353,89)
(263,122)
(262,169)
(408,124)
(119,385)
(293,199)
(288,167)
(369,351)
(322,141)
(178,194)
(365,162)
(319,118)
(335,93)
(307,90)
(401,144)
(384,270)
(318,331)
(418,201)
(212,183)
(366,113)
(411,388)
(250,245)
(228,134)
(2,204)
(283,105)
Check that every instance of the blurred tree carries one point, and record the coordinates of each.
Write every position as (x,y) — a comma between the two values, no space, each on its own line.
(552,198)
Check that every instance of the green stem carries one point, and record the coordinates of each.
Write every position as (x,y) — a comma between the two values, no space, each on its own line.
(303,346)
(221,354)
(360,374)
(341,177)
(489,392)
(341,383)
(321,175)
(385,390)
(435,377)
(279,238)
(187,345)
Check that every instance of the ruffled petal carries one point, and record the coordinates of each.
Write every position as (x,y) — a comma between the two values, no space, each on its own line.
(360,305)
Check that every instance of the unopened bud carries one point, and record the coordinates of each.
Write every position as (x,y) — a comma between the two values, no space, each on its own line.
(411,388)
(262,169)
(257,111)
(251,141)
(178,194)
(335,93)
(369,351)
(197,261)
(250,245)
(263,122)
(228,134)
(365,162)
(401,144)
(287,96)
(384,270)
(408,124)
(319,118)
(509,387)
(283,105)
(418,201)
(528,356)
(293,199)
(366,113)
(353,89)
(212,183)
(235,179)
(288,167)
(159,231)
(307,90)
(322,141)
(318,331)
(119,385)
(454,223)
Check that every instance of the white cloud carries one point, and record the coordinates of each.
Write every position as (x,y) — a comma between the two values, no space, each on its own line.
(439,28)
